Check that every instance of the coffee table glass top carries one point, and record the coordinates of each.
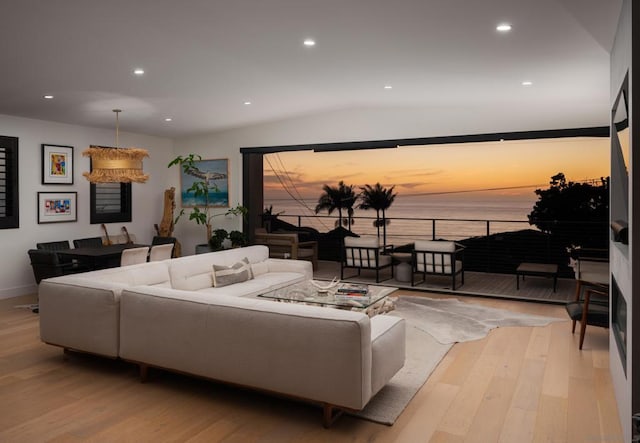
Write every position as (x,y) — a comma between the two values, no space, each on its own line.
(305,292)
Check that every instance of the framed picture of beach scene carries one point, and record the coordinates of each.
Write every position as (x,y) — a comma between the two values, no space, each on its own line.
(57,207)
(57,165)
(216,174)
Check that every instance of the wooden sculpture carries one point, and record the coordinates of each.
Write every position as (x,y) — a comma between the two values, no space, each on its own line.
(167,223)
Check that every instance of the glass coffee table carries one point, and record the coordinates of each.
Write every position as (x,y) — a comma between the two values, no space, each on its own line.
(305,292)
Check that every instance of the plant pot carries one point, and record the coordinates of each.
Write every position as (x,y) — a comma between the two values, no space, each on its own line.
(203,248)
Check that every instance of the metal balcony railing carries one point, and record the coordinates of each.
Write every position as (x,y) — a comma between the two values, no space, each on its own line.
(494,246)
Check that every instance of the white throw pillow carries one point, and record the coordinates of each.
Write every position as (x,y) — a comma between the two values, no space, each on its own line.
(259,268)
(228,275)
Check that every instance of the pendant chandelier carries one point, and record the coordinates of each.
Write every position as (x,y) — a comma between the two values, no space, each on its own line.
(116,165)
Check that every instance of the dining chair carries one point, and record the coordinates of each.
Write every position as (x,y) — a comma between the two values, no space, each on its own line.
(161,252)
(60,245)
(133,256)
(45,264)
(158,240)
(91,242)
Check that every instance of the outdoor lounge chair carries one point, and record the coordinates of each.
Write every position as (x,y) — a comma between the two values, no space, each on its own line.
(366,253)
(433,257)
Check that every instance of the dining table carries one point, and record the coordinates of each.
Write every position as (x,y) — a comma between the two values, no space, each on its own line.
(107,256)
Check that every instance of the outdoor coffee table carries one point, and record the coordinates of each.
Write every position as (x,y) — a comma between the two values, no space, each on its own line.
(305,292)
(539,270)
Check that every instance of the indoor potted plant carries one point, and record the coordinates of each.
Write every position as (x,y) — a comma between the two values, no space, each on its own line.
(238,239)
(201,188)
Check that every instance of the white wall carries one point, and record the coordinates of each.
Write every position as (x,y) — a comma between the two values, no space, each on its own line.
(622,256)
(16,276)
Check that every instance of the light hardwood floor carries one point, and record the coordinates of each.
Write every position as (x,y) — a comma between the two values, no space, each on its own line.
(516,385)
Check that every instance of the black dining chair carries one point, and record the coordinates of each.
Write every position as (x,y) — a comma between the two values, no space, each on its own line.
(157,240)
(46,264)
(91,242)
(60,245)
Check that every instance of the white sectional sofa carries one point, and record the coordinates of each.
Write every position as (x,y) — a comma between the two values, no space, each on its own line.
(167,314)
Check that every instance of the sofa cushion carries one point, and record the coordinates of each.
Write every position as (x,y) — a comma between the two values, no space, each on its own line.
(259,268)
(387,349)
(228,275)
(277,280)
(153,273)
(193,273)
(249,288)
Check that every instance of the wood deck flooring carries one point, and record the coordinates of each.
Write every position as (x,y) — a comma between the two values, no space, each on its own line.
(481,284)
(519,384)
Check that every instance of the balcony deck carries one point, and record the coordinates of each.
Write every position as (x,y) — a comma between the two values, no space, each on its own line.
(482,284)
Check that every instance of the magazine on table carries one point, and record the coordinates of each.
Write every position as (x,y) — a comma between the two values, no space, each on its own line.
(353,289)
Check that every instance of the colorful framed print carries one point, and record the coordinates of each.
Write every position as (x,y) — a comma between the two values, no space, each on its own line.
(57,165)
(57,207)
(216,172)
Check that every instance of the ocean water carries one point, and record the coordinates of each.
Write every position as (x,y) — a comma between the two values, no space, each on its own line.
(219,199)
(414,219)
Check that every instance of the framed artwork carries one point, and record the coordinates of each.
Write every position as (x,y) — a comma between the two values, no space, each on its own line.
(57,165)
(57,207)
(216,173)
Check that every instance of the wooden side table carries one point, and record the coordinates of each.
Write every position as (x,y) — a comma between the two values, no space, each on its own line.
(538,270)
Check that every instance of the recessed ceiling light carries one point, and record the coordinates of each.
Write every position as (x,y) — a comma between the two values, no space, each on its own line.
(527,83)
(168,119)
(309,42)
(138,71)
(503,27)
(247,103)
(388,87)
(48,97)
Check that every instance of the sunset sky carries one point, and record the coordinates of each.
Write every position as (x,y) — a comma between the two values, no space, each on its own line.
(442,168)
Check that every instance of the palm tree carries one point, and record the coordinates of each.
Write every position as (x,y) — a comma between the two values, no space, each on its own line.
(378,198)
(340,197)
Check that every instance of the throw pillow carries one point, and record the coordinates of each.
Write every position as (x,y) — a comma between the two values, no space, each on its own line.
(259,269)
(228,275)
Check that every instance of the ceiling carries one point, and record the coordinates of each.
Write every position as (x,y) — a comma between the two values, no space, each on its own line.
(203,59)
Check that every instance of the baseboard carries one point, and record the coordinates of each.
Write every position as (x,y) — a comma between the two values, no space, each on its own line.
(16,292)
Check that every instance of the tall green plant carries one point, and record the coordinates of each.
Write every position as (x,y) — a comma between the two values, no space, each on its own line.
(201,189)
(379,198)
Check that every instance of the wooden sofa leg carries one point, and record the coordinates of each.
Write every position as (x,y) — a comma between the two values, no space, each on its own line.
(329,415)
(144,372)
